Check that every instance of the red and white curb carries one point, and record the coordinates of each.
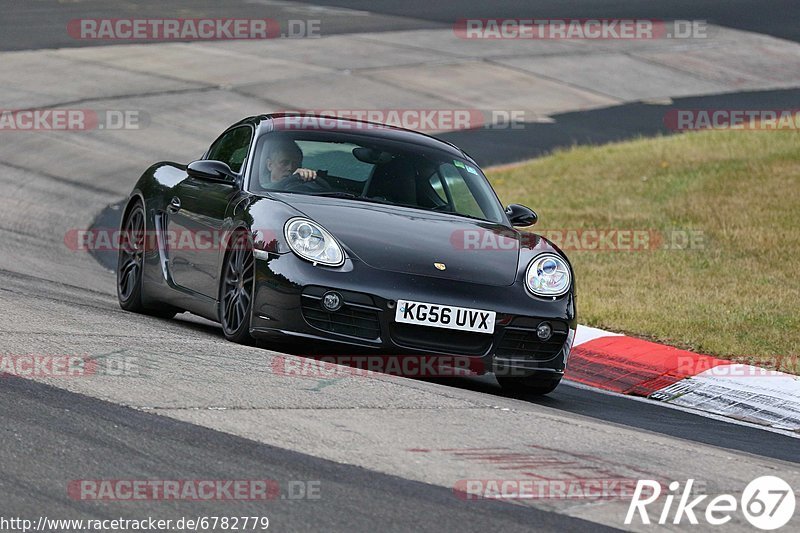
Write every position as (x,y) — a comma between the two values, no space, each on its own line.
(627,365)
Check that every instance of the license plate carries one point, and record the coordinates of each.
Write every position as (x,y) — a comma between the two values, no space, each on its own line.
(445,316)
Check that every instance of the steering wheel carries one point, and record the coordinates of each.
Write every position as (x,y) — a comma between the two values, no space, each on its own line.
(294,183)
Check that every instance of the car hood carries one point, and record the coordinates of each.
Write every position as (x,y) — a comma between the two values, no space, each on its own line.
(401,239)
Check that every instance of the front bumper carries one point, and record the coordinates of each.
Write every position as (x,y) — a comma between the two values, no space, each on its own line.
(287,307)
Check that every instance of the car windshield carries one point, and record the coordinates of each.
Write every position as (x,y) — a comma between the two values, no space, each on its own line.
(366,169)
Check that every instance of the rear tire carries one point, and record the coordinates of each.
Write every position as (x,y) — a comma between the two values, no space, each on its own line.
(236,291)
(130,264)
(536,385)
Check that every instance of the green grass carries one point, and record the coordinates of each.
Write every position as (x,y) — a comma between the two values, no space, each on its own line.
(738,295)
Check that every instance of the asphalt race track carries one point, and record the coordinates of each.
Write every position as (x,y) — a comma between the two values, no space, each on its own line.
(91,435)
(39,23)
(777,19)
(385,452)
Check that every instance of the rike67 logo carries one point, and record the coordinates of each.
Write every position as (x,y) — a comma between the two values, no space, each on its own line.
(767,503)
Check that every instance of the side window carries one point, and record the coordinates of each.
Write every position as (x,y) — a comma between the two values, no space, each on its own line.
(460,191)
(232,148)
(436,183)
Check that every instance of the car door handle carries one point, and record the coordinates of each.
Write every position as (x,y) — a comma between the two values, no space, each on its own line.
(174,205)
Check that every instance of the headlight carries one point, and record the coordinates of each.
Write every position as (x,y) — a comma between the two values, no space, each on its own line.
(312,242)
(548,275)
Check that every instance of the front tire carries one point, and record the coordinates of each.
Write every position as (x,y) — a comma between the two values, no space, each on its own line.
(130,260)
(236,291)
(130,265)
(533,385)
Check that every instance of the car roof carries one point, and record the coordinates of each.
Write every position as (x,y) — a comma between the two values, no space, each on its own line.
(313,122)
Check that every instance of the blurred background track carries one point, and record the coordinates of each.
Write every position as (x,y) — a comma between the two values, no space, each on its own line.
(40,23)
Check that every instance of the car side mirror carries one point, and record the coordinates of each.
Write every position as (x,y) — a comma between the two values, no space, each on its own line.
(521,216)
(205,169)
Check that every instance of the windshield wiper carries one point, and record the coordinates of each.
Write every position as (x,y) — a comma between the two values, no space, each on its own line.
(351,196)
(462,215)
(335,194)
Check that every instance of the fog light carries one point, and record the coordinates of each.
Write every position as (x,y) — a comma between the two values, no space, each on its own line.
(544,331)
(332,301)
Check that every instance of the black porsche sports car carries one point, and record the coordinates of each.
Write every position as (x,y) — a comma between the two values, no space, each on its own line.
(357,236)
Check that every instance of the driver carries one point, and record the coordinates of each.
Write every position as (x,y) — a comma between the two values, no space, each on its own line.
(284,158)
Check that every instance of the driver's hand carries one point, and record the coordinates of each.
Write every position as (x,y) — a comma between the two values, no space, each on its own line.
(306,174)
